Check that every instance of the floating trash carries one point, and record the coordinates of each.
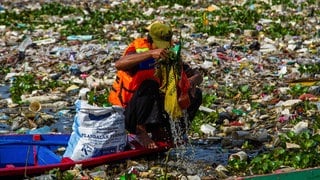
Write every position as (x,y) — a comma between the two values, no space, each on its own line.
(35,106)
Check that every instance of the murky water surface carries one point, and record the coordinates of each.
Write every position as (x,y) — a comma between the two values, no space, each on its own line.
(4,91)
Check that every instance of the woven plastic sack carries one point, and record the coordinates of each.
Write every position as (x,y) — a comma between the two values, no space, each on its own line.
(96,131)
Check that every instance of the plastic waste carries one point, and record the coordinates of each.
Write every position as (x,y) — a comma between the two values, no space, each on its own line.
(22,130)
(241,155)
(100,174)
(25,43)
(318,105)
(2,27)
(4,128)
(4,117)
(196,35)
(223,116)
(111,46)
(21,25)
(240,134)
(83,93)
(35,106)
(238,112)
(45,41)
(72,56)
(74,69)
(79,37)
(255,46)
(128,176)
(222,171)
(84,75)
(42,130)
(300,127)
(58,51)
(2,9)
(23,46)
(282,71)
(208,129)
(63,112)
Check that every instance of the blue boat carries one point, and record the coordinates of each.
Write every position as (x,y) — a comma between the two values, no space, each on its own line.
(31,154)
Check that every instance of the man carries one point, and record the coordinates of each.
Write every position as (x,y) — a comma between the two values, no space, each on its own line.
(136,87)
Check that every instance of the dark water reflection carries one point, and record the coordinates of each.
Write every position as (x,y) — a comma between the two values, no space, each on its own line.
(4,92)
(198,152)
(64,122)
(197,155)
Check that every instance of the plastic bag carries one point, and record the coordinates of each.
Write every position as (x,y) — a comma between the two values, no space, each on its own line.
(183,86)
(171,104)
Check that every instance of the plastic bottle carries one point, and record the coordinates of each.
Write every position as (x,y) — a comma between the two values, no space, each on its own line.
(74,68)
(80,37)
(25,43)
(23,46)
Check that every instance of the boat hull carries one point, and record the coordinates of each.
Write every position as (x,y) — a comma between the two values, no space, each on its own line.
(22,155)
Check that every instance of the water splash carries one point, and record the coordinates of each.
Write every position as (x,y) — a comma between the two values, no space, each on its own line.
(183,151)
(179,129)
(192,156)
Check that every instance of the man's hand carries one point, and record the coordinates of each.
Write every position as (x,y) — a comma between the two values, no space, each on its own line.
(129,61)
(159,53)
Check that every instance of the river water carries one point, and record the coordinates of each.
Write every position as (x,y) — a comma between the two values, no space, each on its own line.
(4,91)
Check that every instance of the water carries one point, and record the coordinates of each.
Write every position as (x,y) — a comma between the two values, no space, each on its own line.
(202,156)
(4,91)
(194,156)
(177,133)
(210,155)
(64,122)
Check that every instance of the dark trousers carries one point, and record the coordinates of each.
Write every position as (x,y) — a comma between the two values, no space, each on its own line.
(147,108)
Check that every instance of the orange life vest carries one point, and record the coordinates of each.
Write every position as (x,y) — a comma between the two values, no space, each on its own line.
(126,84)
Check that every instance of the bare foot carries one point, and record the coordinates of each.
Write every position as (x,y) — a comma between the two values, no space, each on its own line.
(144,139)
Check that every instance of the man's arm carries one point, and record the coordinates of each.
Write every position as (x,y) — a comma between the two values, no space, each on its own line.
(127,62)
